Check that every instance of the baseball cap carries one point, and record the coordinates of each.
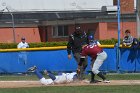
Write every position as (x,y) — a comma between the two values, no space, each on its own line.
(23,38)
(127,31)
(77,27)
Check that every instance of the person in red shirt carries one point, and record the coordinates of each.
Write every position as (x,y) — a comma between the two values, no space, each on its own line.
(97,54)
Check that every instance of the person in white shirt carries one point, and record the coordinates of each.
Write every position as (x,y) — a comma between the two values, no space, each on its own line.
(23,43)
(22,55)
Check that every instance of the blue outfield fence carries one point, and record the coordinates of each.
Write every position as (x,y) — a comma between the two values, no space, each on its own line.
(56,60)
(130,60)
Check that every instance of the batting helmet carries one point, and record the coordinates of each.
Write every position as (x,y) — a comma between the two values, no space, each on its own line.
(90,38)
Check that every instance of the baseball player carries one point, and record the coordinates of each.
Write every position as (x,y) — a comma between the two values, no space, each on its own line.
(98,56)
(63,78)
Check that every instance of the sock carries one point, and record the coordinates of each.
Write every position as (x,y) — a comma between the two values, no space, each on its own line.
(52,76)
(101,75)
(92,76)
(39,75)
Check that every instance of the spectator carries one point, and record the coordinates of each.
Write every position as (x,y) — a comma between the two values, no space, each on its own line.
(75,45)
(22,56)
(23,43)
(128,39)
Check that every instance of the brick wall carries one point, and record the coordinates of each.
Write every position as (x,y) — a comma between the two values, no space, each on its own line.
(127,6)
(31,35)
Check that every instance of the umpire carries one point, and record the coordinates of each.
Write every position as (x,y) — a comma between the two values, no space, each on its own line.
(75,45)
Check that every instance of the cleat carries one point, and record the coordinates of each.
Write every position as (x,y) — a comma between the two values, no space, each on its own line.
(95,81)
(106,81)
(32,69)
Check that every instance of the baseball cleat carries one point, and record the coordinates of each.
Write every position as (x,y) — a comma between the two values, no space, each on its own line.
(94,81)
(106,81)
(32,69)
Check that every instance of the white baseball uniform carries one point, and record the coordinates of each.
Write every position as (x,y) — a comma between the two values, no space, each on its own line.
(64,78)
(22,55)
(22,45)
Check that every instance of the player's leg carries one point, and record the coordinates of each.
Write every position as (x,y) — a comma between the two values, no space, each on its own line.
(40,76)
(42,79)
(35,70)
(52,76)
(97,64)
(93,80)
(85,63)
(77,58)
(61,78)
(92,77)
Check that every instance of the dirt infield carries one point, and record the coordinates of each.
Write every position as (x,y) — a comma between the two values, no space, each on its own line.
(17,84)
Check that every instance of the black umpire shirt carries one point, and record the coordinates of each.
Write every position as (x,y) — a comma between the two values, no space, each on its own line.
(75,42)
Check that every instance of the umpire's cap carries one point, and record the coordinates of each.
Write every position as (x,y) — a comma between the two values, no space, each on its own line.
(23,38)
(77,27)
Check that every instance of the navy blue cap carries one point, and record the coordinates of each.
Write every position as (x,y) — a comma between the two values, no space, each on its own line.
(23,38)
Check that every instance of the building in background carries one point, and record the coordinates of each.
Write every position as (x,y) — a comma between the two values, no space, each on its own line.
(46,21)
(138,17)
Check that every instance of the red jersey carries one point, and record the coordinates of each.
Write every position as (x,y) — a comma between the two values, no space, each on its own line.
(91,50)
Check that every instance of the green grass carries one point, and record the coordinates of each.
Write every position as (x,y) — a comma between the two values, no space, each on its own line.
(116,76)
(18,77)
(128,76)
(75,89)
